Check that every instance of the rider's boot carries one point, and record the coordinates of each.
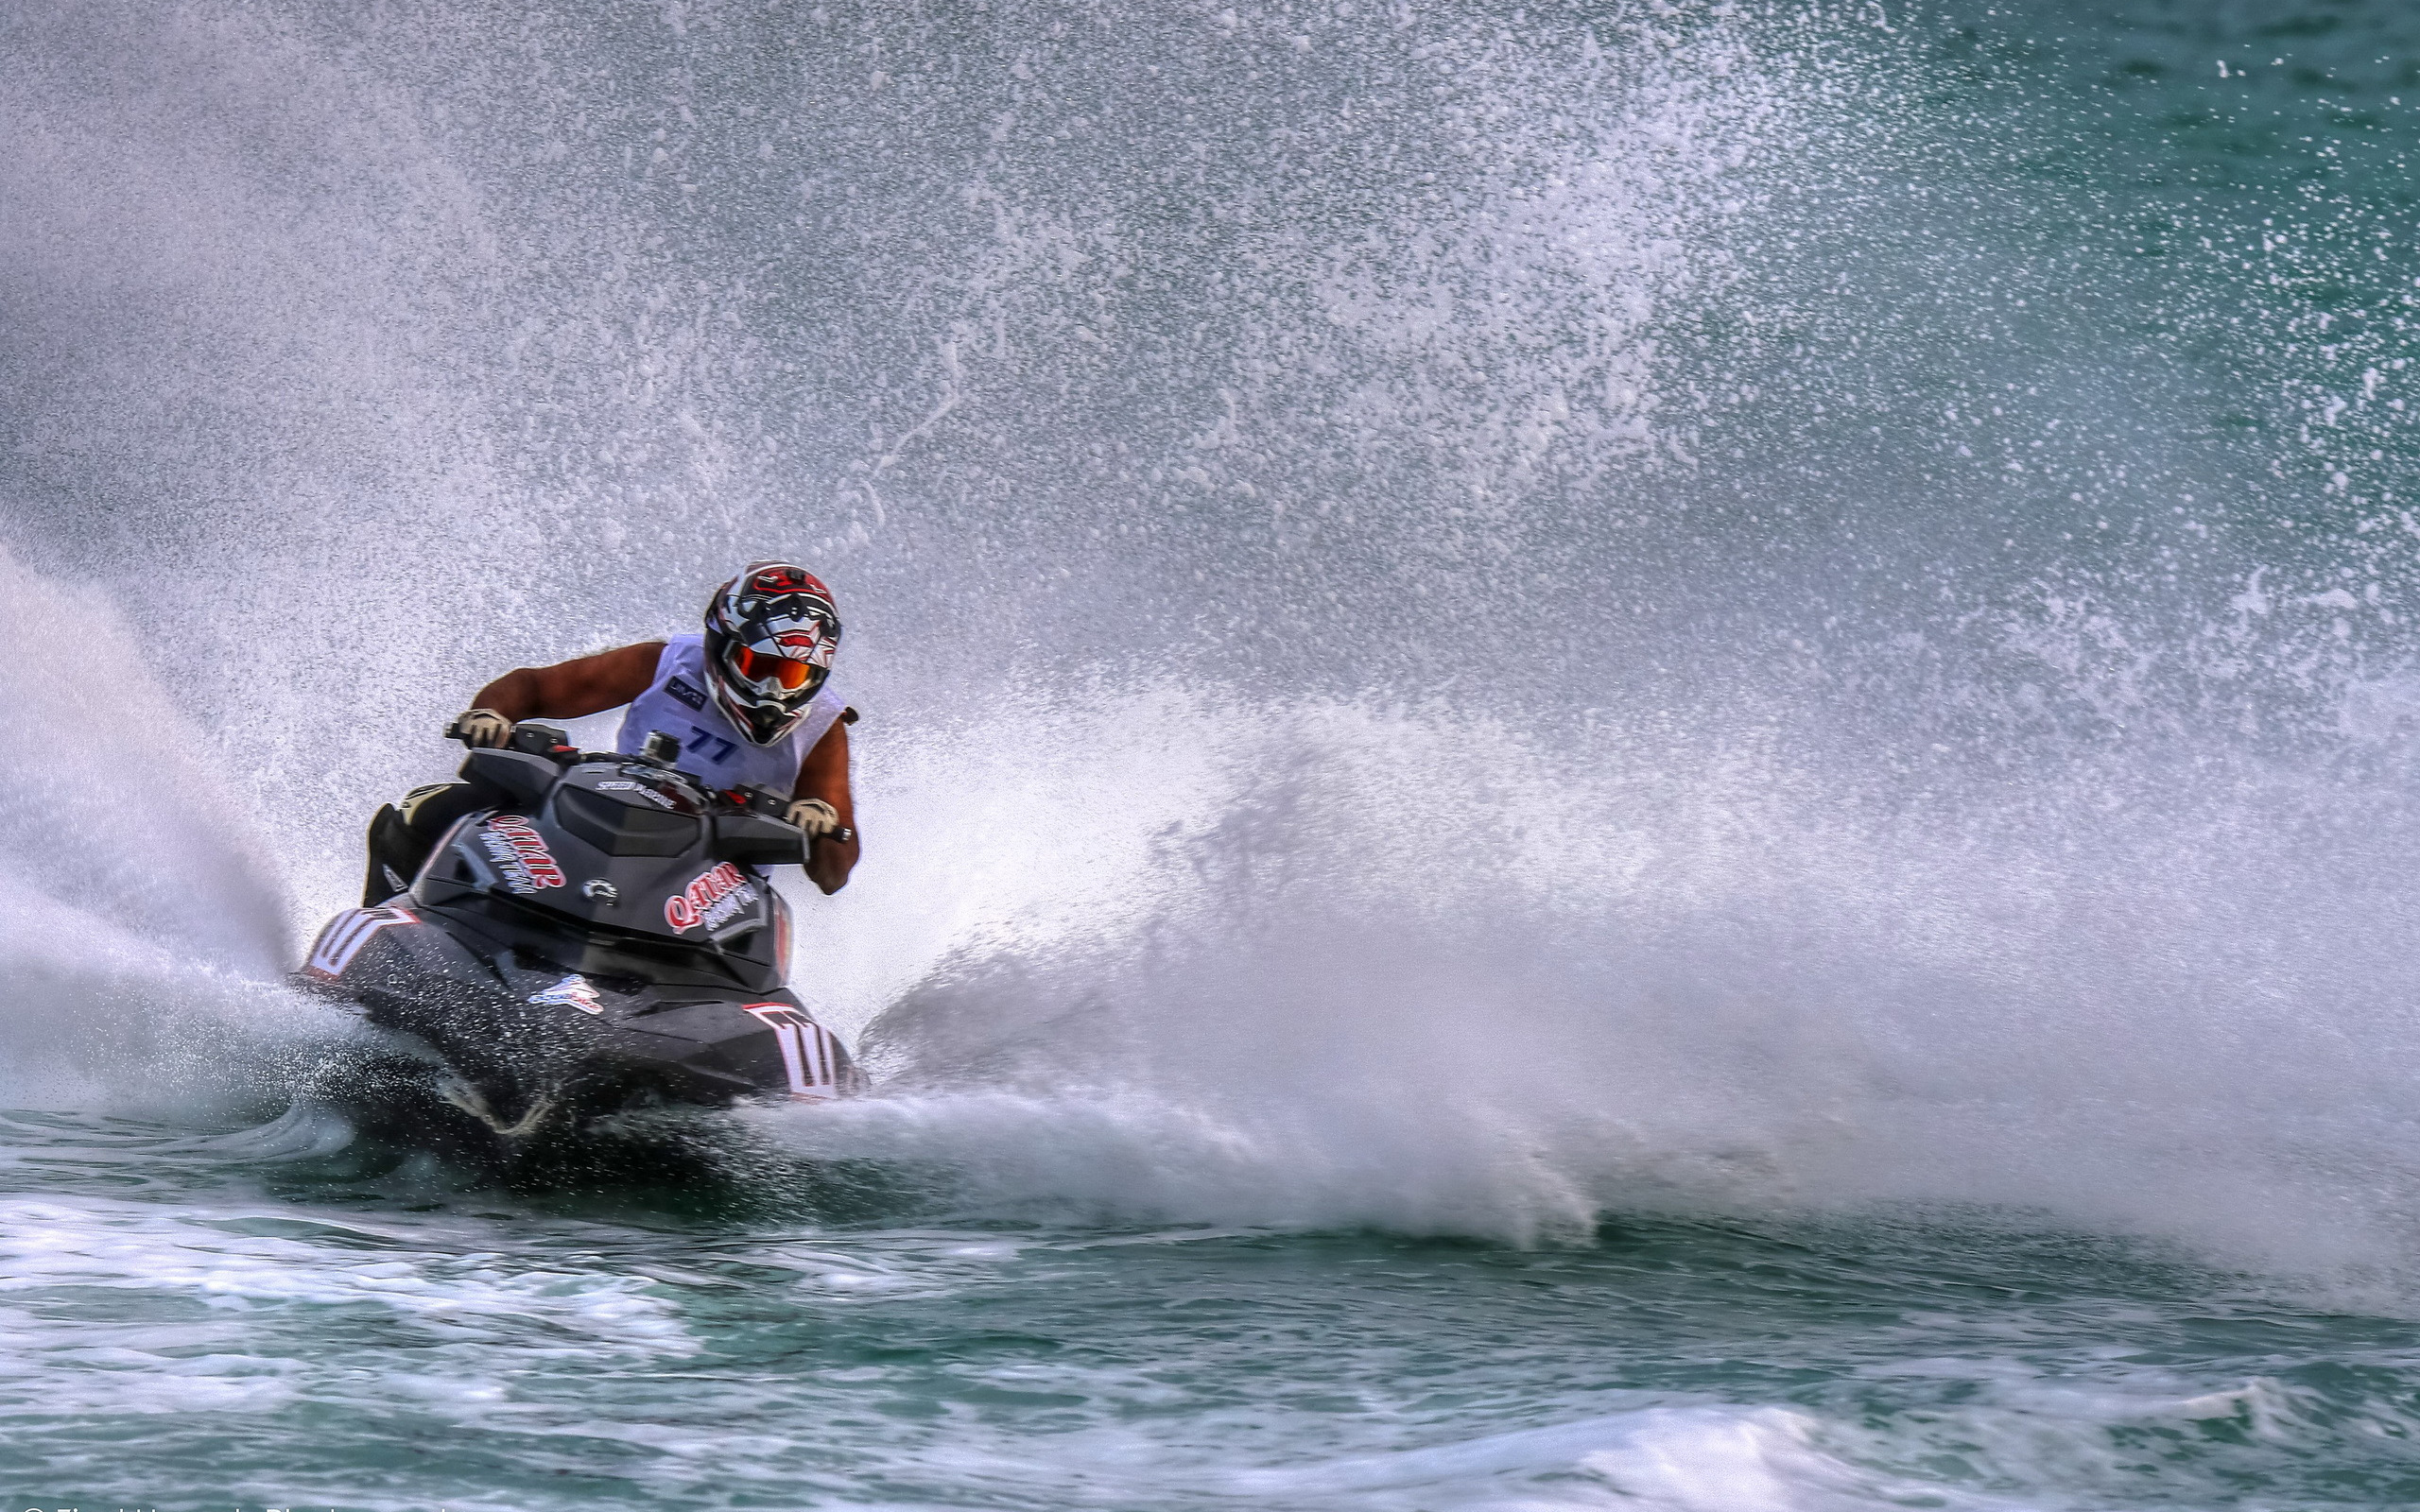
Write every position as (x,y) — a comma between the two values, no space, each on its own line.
(402,835)
(390,859)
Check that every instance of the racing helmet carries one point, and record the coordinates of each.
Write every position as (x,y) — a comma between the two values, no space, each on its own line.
(770,634)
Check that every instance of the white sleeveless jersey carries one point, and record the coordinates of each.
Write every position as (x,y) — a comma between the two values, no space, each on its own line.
(682,704)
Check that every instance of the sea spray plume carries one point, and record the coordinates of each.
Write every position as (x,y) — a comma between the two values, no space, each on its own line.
(141,917)
(251,303)
(1317,337)
(1429,973)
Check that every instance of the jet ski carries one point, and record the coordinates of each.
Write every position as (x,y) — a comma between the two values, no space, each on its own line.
(597,936)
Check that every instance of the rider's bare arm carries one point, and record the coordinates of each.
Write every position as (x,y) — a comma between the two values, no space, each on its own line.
(824,774)
(583,685)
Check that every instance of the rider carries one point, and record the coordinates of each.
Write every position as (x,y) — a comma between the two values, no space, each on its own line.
(749,702)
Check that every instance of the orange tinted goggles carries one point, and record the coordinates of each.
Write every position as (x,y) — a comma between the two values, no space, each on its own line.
(786,673)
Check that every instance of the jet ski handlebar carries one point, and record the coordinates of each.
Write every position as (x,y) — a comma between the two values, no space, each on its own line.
(549,743)
(528,737)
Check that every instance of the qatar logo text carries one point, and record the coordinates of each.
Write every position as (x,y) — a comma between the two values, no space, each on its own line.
(711,900)
(520,852)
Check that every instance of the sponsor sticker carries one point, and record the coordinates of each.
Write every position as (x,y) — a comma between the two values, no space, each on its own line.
(520,854)
(344,936)
(573,991)
(681,688)
(641,789)
(714,899)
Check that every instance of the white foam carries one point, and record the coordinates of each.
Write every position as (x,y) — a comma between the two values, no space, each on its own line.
(234,1258)
(1708,1458)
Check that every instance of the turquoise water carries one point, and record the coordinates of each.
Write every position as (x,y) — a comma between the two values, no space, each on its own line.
(204,1314)
(1630,756)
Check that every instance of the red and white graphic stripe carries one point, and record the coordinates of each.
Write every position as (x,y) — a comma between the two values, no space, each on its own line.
(344,936)
(810,1057)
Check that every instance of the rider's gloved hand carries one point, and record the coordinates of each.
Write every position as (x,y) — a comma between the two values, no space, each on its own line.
(482,727)
(816,818)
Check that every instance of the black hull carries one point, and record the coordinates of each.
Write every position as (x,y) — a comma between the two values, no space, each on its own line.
(499,1054)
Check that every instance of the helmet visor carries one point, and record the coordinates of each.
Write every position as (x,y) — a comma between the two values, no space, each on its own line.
(764,670)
